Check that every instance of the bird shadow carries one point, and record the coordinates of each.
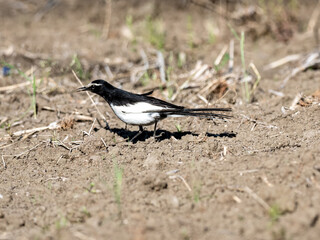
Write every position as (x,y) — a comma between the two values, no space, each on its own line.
(163,134)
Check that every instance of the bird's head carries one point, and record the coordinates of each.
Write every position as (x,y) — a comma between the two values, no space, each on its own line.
(97,86)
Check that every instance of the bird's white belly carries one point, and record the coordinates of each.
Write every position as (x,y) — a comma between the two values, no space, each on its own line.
(134,113)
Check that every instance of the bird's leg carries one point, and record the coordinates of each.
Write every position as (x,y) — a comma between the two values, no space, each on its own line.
(107,127)
(155,129)
(138,134)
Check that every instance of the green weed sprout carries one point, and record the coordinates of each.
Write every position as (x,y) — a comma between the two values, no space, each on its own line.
(178,127)
(182,59)
(61,222)
(274,213)
(155,34)
(196,189)
(246,85)
(196,185)
(145,79)
(129,23)
(190,32)
(223,62)
(76,64)
(85,211)
(117,184)
(170,66)
(246,90)
(212,36)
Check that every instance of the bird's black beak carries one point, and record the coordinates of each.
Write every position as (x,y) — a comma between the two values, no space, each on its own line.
(82,89)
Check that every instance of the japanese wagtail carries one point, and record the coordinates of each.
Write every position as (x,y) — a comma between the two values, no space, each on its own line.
(142,109)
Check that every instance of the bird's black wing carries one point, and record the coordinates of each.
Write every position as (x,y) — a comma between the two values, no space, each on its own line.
(160,103)
(121,97)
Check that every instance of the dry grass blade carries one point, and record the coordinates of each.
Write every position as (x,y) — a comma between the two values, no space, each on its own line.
(202,98)
(53,125)
(3,162)
(277,93)
(161,66)
(295,101)
(20,154)
(201,71)
(63,179)
(256,72)
(83,118)
(107,20)
(104,143)
(282,61)
(76,115)
(17,86)
(183,180)
(314,19)
(89,133)
(231,55)
(258,122)
(3,120)
(60,143)
(311,60)
(138,72)
(220,56)
(257,198)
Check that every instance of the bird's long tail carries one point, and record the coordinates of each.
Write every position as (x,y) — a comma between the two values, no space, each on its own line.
(196,112)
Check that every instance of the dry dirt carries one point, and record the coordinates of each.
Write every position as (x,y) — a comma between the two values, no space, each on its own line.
(256,176)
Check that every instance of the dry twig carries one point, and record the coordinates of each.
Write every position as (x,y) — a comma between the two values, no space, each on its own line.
(104,143)
(3,162)
(107,20)
(89,133)
(311,60)
(53,125)
(27,151)
(183,180)
(257,198)
(220,56)
(282,61)
(231,55)
(161,67)
(295,101)
(17,86)
(258,122)
(314,19)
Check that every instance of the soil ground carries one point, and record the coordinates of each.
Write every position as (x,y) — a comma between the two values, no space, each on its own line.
(256,176)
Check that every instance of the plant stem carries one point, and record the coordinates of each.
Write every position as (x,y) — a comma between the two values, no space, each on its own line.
(34,100)
(247,92)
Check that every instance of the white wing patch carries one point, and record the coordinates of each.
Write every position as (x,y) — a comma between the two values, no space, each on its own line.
(138,108)
(135,114)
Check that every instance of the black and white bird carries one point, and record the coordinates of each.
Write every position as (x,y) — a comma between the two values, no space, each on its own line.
(142,109)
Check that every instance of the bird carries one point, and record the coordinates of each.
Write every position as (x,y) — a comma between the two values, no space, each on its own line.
(143,109)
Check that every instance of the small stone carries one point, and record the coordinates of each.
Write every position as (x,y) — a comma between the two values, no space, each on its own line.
(173,201)
(152,162)
(317,167)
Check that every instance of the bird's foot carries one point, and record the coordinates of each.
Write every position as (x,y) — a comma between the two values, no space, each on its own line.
(137,135)
(156,138)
